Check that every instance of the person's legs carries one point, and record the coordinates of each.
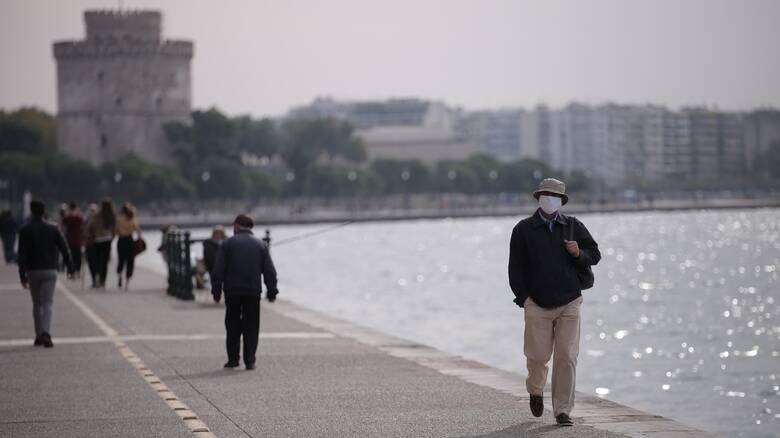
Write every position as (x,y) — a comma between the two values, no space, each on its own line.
(233,327)
(250,327)
(42,285)
(567,348)
(91,262)
(8,247)
(103,254)
(538,345)
(75,253)
(121,253)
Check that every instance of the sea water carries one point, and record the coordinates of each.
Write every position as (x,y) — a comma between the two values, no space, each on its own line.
(683,320)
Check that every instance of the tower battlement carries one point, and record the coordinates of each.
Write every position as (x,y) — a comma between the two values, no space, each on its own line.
(134,25)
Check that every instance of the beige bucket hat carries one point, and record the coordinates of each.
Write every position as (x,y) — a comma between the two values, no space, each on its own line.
(552,185)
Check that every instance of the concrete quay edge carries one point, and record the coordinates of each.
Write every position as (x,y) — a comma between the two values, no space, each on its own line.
(596,412)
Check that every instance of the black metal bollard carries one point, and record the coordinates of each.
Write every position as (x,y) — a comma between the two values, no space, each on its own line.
(177,250)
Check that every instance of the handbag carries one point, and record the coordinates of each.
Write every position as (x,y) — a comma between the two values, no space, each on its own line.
(139,246)
(584,273)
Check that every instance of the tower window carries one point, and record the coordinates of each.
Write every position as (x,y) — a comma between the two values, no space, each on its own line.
(103,141)
(158,102)
(100,76)
(118,101)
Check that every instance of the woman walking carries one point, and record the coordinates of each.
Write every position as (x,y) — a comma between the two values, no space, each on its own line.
(100,231)
(126,225)
(73,223)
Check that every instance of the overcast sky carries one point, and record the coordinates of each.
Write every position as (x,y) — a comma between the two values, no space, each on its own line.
(262,57)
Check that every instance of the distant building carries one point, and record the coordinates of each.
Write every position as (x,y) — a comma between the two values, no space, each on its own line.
(500,133)
(398,129)
(762,130)
(117,88)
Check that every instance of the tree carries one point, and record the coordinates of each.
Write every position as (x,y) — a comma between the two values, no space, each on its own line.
(402,176)
(27,130)
(523,175)
(29,171)
(305,140)
(258,137)
(71,179)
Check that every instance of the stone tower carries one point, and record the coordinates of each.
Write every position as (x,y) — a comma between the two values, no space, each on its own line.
(117,88)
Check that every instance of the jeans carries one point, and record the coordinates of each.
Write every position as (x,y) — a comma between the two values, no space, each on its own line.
(42,284)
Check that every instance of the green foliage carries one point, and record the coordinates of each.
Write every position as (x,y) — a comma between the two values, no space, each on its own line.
(29,171)
(138,181)
(258,137)
(220,178)
(259,185)
(27,130)
(71,179)
(402,176)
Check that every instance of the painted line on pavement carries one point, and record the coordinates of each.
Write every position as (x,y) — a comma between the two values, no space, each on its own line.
(193,337)
(190,418)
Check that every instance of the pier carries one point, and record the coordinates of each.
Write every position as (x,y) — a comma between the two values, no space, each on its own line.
(142,363)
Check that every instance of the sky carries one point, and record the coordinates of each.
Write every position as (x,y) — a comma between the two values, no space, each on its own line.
(262,57)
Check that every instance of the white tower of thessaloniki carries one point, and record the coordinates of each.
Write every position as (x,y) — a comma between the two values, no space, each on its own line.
(119,86)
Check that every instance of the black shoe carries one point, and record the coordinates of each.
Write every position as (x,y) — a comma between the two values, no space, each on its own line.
(38,342)
(537,405)
(46,340)
(250,366)
(231,364)
(564,420)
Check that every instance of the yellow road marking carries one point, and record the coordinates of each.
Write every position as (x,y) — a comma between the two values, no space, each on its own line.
(188,417)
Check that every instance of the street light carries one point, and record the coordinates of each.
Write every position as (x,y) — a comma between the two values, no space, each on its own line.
(205,176)
(118,177)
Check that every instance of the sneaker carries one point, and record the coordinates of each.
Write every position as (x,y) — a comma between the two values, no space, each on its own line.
(537,405)
(46,340)
(250,366)
(564,420)
(38,341)
(231,364)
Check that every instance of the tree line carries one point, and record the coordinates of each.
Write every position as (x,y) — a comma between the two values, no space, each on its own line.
(222,157)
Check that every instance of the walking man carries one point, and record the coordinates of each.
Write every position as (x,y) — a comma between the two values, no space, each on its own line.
(549,264)
(39,242)
(242,261)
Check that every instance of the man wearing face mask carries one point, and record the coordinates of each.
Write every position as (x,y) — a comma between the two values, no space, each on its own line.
(547,255)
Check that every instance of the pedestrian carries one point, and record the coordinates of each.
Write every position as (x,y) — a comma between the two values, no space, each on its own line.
(89,244)
(550,255)
(211,246)
(100,230)
(39,242)
(73,223)
(8,229)
(242,261)
(126,226)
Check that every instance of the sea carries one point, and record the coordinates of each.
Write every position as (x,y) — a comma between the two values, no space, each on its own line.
(683,320)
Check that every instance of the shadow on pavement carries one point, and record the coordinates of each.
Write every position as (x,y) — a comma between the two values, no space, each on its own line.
(528,429)
(212,374)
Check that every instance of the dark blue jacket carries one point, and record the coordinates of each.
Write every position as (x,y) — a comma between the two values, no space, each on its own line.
(242,261)
(539,265)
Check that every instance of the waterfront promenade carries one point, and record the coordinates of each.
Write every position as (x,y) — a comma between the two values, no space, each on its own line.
(142,364)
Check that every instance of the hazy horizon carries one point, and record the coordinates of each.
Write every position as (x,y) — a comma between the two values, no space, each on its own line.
(262,58)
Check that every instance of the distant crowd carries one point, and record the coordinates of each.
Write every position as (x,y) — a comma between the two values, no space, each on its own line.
(89,236)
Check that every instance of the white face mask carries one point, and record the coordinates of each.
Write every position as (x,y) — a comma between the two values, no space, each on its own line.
(549,204)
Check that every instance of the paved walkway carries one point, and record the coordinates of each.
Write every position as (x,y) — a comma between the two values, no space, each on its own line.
(142,364)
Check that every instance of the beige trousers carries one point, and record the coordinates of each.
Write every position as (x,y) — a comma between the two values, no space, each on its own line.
(549,331)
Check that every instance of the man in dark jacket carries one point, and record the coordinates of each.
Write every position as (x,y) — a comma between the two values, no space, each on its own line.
(242,261)
(39,242)
(548,255)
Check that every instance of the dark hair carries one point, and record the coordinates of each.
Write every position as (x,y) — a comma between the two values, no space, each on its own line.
(244,220)
(37,208)
(128,210)
(72,205)
(108,214)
